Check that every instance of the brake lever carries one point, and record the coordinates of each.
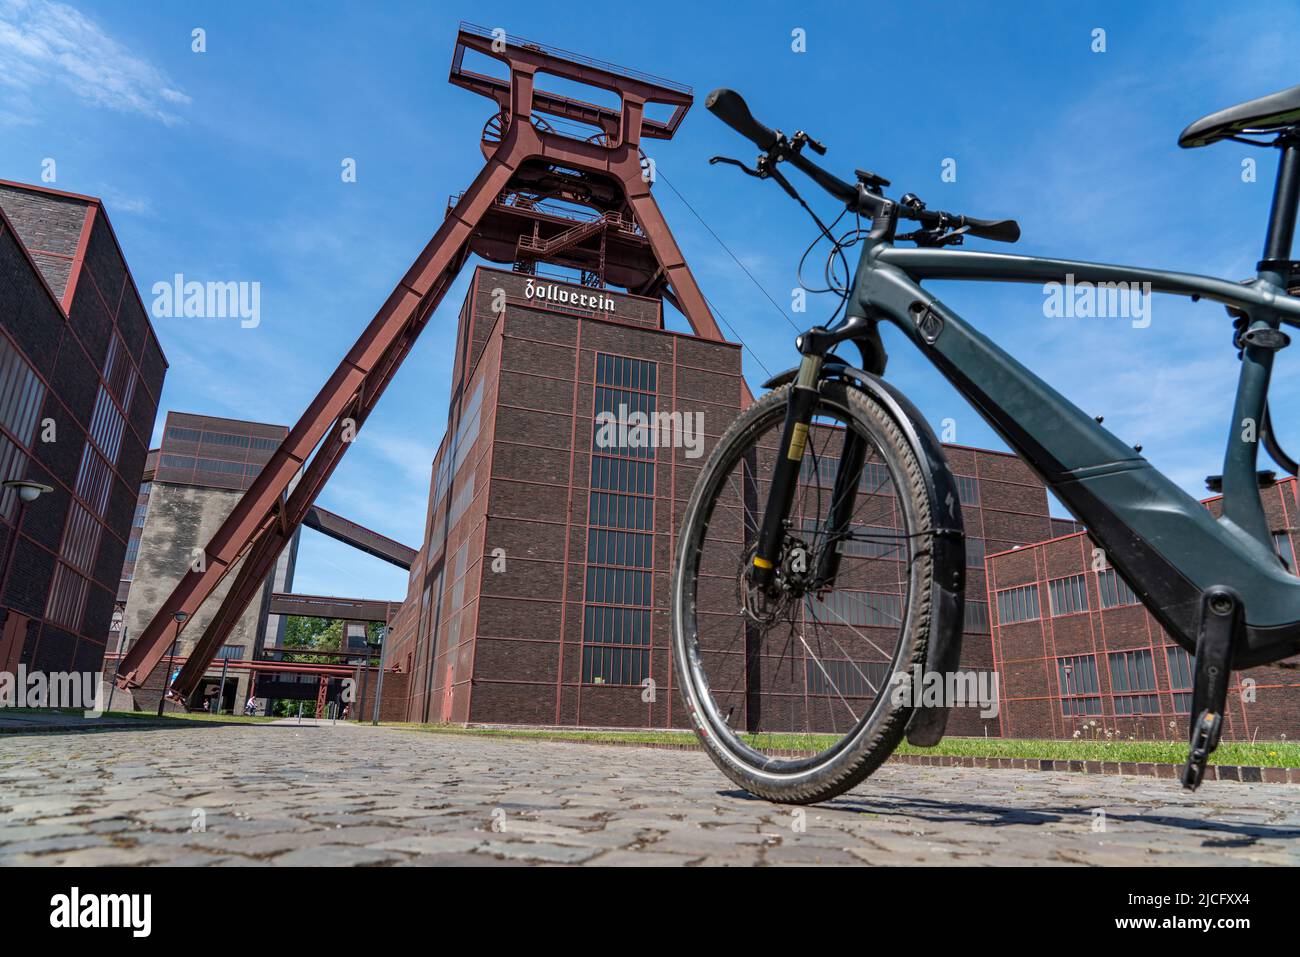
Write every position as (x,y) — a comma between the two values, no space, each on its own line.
(801,138)
(935,238)
(713,160)
(766,169)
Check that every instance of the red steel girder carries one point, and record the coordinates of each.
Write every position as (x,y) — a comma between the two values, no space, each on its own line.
(264,520)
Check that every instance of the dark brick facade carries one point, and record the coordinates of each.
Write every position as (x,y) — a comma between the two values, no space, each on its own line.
(494,629)
(1125,676)
(82,373)
(502,578)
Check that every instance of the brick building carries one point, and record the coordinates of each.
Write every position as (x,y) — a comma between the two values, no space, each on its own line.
(509,616)
(1004,505)
(497,626)
(197,475)
(1076,650)
(80,376)
(540,595)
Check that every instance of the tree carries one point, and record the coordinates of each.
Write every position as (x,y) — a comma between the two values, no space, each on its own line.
(306,633)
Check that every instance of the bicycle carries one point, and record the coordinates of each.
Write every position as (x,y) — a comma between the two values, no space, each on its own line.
(821,558)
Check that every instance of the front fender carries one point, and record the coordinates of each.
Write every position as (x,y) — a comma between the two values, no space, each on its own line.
(948,581)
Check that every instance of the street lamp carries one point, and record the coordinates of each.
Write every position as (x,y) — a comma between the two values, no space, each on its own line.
(180,618)
(379,681)
(1069,670)
(27,492)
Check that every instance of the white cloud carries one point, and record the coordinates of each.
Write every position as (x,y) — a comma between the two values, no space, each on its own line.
(122,203)
(43,42)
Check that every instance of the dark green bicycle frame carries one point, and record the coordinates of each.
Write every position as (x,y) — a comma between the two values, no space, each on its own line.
(1164,542)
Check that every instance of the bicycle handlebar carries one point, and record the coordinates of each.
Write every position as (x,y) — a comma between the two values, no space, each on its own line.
(730,107)
(999,230)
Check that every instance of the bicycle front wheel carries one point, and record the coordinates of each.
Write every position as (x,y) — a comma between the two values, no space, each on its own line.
(792,693)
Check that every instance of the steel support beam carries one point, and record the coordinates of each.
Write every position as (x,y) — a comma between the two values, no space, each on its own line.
(325,606)
(359,537)
(265,519)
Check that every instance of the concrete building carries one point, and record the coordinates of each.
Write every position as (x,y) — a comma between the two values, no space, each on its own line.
(80,376)
(1077,652)
(199,472)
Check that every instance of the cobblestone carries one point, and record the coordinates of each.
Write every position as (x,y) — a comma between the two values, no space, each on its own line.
(348,795)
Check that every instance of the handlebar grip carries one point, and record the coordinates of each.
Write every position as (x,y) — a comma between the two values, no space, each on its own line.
(999,230)
(730,107)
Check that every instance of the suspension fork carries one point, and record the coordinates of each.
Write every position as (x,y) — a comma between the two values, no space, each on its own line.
(785,475)
(843,500)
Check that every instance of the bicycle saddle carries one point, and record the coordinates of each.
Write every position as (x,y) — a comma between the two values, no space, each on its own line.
(1272,113)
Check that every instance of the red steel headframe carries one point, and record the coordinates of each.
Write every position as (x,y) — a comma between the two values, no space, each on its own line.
(264,520)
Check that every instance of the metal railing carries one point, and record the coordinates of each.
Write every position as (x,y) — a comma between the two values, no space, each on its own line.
(579,58)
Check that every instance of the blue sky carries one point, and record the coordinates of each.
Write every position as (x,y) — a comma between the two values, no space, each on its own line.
(225,165)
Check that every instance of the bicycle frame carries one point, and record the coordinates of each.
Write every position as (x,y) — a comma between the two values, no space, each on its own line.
(1216,585)
(1164,542)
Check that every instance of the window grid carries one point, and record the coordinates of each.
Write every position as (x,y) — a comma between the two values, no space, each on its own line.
(107,425)
(1282,545)
(67,597)
(1067,596)
(1113,590)
(856,608)
(617,623)
(119,372)
(462,441)
(837,678)
(968,489)
(1132,681)
(1018,604)
(609,665)
(81,535)
(618,549)
(21,395)
(874,479)
(863,541)
(1080,689)
(1181,665)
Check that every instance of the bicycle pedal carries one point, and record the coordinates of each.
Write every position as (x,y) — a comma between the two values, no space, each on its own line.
(1222,624)
(1205,736)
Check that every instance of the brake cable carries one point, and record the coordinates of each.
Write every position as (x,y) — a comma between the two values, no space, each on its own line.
(1275,451)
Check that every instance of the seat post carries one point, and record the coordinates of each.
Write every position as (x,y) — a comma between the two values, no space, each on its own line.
(1286,196)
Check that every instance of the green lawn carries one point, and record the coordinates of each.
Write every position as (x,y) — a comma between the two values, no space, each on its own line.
(1260,754)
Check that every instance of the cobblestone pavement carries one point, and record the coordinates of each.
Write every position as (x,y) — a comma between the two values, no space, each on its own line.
(286,794)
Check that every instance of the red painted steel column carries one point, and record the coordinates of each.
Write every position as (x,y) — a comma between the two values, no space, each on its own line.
(263,515)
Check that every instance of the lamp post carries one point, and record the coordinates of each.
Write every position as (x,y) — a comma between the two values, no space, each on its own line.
(221,689)
(27,493)
(180,617)
(379,681)
(112,685)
